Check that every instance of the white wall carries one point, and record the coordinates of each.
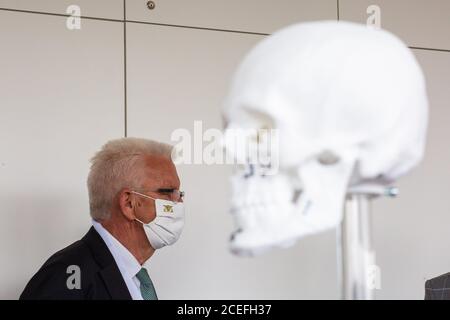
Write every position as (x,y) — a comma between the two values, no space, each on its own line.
(62,96)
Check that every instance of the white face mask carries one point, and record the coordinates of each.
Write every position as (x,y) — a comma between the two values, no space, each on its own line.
(166,228)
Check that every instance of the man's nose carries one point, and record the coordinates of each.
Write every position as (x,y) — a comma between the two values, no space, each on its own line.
(177,196)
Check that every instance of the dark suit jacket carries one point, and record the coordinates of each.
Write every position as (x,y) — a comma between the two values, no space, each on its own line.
(438,288)
(100,276)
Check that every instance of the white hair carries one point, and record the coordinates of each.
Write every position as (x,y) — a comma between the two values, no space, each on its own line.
(116,166)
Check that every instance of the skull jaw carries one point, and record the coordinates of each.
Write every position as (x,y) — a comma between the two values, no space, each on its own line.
(254,243)
(273,235)
(283,229)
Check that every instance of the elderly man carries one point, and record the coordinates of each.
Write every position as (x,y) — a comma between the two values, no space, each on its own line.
(136,207)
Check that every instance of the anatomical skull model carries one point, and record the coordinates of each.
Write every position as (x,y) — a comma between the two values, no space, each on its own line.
(349,106)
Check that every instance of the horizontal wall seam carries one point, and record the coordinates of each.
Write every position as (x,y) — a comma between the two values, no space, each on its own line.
(179,26)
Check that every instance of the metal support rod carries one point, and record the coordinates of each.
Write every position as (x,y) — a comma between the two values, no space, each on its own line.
(357,257)
(358,274)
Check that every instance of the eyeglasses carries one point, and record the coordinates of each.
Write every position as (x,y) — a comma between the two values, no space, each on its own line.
(174,194)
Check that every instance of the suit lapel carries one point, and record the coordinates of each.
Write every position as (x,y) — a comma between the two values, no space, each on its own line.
(114,283)
(110,272)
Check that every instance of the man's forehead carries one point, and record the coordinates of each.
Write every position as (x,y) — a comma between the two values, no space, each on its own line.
(162,171)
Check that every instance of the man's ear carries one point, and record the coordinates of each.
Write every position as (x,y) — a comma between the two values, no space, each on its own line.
(128,204)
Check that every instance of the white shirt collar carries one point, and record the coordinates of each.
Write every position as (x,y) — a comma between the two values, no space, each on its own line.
(127,263)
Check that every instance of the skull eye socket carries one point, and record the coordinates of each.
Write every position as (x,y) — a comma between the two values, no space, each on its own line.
(241,169)
(249,170)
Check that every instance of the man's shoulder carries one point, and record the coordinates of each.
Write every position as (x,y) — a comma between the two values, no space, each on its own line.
(59,272)
(77,252)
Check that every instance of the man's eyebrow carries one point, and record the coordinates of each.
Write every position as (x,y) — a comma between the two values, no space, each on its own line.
(166,189)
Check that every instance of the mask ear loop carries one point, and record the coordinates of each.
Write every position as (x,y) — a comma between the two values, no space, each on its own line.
(143,195)
(139,221)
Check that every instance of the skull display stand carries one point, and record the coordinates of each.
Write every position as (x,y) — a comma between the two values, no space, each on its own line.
(348,107)
(357,272)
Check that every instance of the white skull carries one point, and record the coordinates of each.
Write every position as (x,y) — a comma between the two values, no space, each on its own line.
(350,108)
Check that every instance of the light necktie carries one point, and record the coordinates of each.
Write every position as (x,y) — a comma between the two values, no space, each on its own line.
(147,289)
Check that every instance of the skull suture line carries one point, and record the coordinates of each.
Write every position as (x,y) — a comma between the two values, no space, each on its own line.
(350,108)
